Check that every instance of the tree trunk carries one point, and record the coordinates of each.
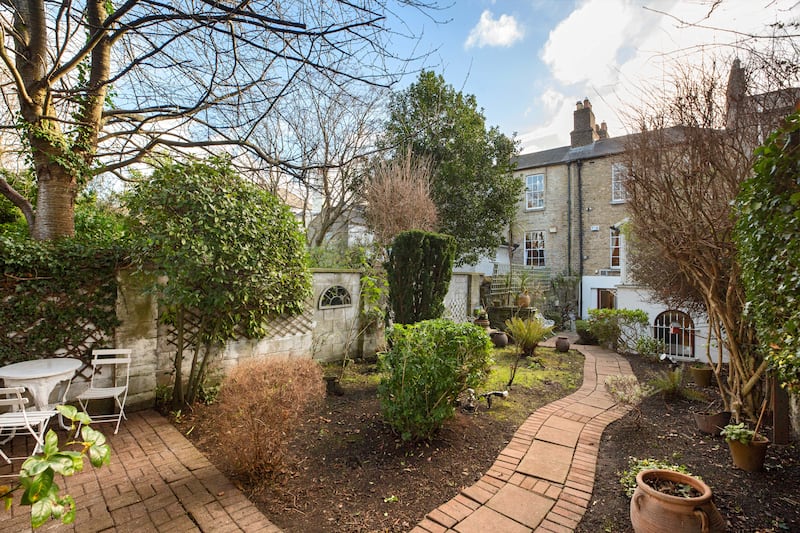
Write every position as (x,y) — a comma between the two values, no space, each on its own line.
(55,204)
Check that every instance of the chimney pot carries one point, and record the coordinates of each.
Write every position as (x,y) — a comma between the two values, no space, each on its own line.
(578,105)
(587,103)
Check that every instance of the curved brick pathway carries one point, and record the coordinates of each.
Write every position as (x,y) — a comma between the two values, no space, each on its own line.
(542,481)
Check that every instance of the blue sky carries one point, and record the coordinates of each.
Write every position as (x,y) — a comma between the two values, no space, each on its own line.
(528,61)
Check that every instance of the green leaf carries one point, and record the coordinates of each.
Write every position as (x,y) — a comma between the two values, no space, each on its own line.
(37,487)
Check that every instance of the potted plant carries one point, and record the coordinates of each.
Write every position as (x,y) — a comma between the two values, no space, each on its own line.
(665,500)
(524,297)
(711,420)
(748,447)
(701,374)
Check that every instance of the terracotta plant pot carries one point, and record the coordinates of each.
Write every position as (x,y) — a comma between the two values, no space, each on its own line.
(482,322)
(562,344)
(499,338)
(701,375)
(523,300)
(751,456)
(712,423)
(656,512)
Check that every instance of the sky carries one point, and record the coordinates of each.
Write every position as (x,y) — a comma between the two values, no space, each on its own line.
(529,61)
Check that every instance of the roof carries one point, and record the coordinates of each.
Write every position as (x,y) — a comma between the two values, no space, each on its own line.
(567,154)
(596,150)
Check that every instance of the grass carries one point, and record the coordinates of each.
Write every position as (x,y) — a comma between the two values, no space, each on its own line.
(552,376)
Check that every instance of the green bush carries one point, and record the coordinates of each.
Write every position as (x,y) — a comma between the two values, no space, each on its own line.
(419,269)
(649,347)
(429,365)
(768,223)
(585,332)
(618,328)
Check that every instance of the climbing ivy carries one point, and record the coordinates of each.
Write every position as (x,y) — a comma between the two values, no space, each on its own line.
(56,295)
(768,223)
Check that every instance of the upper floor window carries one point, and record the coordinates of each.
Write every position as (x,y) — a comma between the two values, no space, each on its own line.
(615,248)
(336,296)
(534,248)
(619,173)
(534,191)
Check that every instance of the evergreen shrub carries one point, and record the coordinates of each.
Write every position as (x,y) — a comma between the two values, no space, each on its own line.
(429,365)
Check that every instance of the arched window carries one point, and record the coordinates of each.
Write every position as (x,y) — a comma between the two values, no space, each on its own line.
(336,296)
(676,330)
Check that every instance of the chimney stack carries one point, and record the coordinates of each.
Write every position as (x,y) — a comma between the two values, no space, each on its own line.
(584,131)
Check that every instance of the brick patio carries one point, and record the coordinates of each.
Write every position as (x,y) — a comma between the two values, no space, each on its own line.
(156,481)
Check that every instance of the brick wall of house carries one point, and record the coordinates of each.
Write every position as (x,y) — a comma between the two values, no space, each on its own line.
(552,220)
(598,212)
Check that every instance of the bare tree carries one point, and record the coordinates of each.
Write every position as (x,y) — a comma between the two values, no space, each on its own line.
(97,87)
(694,149)
(333,130)
(398,197)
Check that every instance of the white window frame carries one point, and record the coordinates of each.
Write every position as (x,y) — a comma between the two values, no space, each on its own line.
(539,259)
(619,173)
(534,191)
(615,243)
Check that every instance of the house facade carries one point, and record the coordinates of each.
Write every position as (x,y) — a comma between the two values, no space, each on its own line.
(570,221)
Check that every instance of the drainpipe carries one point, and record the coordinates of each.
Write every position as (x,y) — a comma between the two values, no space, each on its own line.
(579,163)
(569,218)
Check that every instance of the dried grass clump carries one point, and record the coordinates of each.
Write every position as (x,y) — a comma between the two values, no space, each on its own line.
(259,407)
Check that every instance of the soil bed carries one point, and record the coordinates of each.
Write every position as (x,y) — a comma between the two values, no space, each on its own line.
(763,502)
(350,473)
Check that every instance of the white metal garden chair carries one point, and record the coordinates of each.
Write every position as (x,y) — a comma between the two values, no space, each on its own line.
(18,419)
(110,377)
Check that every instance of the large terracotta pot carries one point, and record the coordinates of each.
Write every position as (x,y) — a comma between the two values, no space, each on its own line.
(701,376)
(712,423)
(562,344)
(656,512)
(523,300)
(751,456)
(499,338)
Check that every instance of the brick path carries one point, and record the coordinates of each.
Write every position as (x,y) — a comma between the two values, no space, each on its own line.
(543,479)
(156,481)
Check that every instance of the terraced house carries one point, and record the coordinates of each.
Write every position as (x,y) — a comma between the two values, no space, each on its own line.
(573,210)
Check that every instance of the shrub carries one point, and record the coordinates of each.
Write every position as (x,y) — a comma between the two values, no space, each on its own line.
(259,405)
(768,209)
(669,383)
(585,332)
(429,365)
(527,335)
(628,391)
(628,477)
(419,269)
(649,347)
(618,328)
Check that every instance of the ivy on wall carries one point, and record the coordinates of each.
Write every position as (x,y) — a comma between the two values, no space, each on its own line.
(58,298)
(767,230)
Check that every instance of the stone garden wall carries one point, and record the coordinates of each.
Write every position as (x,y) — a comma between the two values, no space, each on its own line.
(327,330)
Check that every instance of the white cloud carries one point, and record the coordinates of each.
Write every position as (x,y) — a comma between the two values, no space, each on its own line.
(503,31)
(613,50)
(585,45)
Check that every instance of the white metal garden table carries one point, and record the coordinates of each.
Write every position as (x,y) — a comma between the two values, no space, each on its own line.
(40,377)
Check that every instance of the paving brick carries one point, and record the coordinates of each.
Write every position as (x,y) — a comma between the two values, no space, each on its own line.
(431,527)
(548,461)
(485,519)
(442,518)
(521,505)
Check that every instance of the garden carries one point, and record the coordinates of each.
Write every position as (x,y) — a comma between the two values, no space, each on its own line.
(347,470)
